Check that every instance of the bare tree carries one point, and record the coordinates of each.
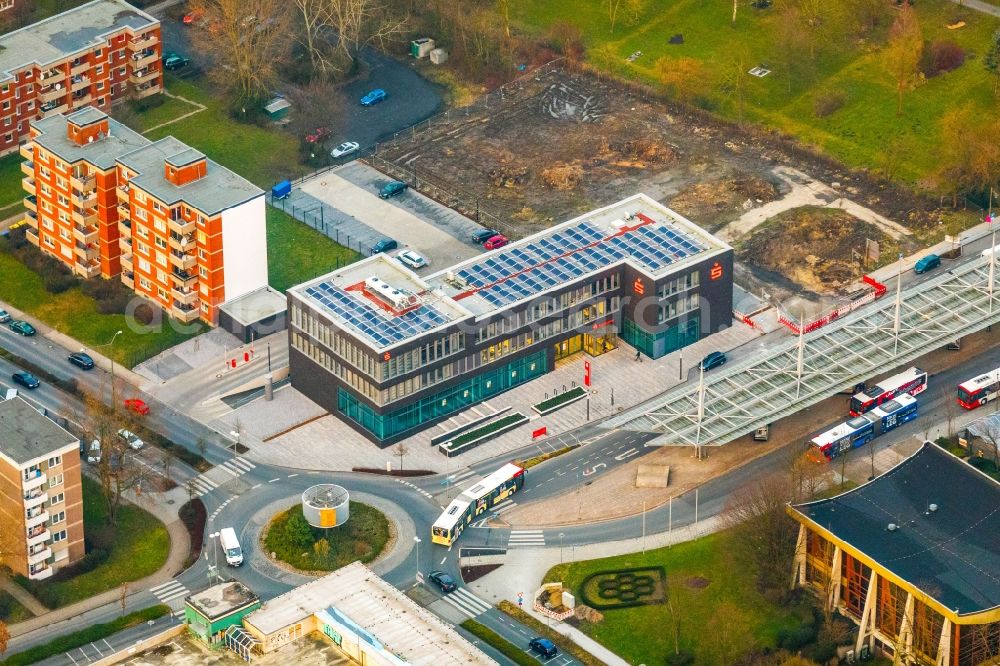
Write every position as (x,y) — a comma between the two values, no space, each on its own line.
(991,438)
(4,638)
(628,10)
(950,411)
(167,458)
(312,18)
(731,635)
(247,39)
(736,80)
(401,451)
(360,23)
(117,469)
(902,54)
(675,613)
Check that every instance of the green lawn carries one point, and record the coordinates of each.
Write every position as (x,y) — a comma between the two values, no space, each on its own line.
(10,184)
(294,541)
(640,634)
(296,252)
(856,133)
(11,610)
(263,156)
(136,547)
(74,313)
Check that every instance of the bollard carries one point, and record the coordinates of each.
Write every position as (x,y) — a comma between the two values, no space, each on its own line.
(268,387)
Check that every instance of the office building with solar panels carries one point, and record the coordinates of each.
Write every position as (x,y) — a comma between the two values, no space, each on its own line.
(391,352)
(912,557)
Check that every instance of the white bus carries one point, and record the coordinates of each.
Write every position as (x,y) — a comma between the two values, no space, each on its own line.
(979,390)
(476,500)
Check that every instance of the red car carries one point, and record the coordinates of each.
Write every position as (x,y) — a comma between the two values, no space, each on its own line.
(138,406)
(497,241)
(192,17)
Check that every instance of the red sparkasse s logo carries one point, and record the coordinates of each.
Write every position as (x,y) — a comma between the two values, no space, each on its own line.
(637,287)
(715,272)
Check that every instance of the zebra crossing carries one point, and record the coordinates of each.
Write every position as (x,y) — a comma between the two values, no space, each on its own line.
(506,505)
(205,483)
(170,591)
(466,602)
(526,539)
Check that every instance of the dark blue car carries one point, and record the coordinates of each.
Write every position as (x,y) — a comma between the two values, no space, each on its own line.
(543,646)
(713,360)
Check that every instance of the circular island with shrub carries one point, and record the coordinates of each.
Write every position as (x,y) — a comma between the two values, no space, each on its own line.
(290,538)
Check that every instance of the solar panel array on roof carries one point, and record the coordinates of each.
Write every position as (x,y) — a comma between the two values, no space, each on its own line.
(526,270)
(381,327)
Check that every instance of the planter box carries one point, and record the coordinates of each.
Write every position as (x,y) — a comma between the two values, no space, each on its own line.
(558,402)
(474,438)
(453,434)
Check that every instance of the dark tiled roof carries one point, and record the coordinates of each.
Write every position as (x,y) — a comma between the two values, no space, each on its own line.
(952,554)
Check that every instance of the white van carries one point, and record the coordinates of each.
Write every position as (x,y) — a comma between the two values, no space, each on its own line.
(231,546)
(990,250)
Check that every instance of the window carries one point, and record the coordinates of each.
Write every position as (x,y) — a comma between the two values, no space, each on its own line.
(100,69)
(59,536)
(8,137)
(100,85)
(144,266)
(56,480)
(6,104)
(160,242)
(58,517)
(57,499)
(55,460)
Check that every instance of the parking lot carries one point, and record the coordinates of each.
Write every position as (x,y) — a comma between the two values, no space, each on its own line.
(349,195)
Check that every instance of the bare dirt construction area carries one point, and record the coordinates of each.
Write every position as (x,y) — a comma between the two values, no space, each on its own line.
(823,251)
(558,143)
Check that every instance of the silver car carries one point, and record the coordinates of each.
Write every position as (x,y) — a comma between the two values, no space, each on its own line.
(345,148)
(412,259)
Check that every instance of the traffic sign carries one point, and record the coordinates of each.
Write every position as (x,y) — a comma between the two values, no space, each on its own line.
(586,374)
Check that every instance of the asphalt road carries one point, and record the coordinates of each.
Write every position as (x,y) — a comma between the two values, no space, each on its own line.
(411,98)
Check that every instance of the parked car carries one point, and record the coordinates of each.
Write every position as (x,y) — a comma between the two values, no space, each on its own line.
(384,245)
(373,97)
(22,327)
(713,360)
(345,148)
(81,360)
(543,647)
(26,379)
(92,452)
(172,61)
(411,259)
(445,582)
(131,439)
(483,235)
(497,241)
(392,189)
(138,406)
(191,18)
(927,263)
(4,317)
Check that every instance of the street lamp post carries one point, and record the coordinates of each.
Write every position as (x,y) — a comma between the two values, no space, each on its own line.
(236,444)
(561,535)
(215,548)
(111,355)
(416,548)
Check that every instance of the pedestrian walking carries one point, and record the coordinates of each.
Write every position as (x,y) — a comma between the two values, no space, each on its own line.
(638,356)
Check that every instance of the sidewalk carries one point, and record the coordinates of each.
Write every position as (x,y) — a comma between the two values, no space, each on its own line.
(179,548)
(23,597)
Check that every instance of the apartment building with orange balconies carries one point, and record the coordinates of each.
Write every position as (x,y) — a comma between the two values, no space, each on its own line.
(41,493)
(178,228)
(95,54)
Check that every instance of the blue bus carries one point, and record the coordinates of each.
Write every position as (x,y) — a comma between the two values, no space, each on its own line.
(863,429)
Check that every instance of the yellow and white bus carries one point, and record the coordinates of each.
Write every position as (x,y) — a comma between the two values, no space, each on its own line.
(476,500)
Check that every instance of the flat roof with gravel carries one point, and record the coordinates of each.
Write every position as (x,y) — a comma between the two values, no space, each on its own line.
(354,595)
(103,152)
(27,435)
(222,599)
(74,30)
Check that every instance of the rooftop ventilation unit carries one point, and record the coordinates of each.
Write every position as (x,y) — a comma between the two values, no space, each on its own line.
(385,292)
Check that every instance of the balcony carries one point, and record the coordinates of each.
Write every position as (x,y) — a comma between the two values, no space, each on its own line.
(36,517)
(79,83)
(183,278)
(124,224)
(39,572)
(32,236)
(81,100)
(51,74)
(126,260)
(84,200)
(125,245)
(35,498)
(181,227)
(33,479)
(142,42)
(31,217)
(30,202)
(85,234)
(143,75)
(143,58)
(84,217)
(183,261)
(53,93)
(184,313)
(128,279)
(54,108)
(185,296)
(37,535)
(147,90)
(27,151)
(87,269)
(85,253)
(39,555)
(122,192)
(78,68)
(28,185)
(83,183)
(182,243)
(28,169)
